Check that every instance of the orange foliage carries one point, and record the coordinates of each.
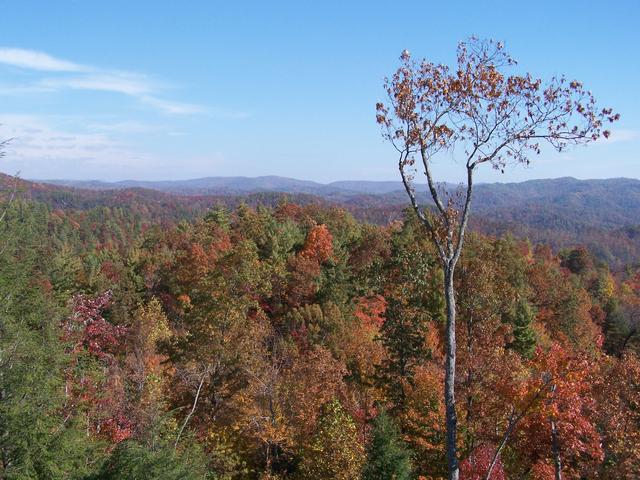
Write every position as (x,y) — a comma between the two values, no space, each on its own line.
(319,244)
(313,380)
(423,417)
(370,311)
(569,401)
(618,393)
(302,285)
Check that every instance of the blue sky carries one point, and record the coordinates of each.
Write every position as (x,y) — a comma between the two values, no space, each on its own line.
(173,90)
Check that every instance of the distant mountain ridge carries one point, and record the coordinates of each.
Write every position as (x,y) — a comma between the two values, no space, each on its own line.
(610,202)
(272,183)
(602,214)
(235,185)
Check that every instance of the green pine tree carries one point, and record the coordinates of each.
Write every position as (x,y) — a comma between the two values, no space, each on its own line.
(134,461)
(402,334)
(524,337)
(388,458)
(37,441)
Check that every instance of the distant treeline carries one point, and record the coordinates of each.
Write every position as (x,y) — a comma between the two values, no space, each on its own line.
(603,215)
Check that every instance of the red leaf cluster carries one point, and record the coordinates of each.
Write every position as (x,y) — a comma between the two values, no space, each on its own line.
(87,329)
(477,465)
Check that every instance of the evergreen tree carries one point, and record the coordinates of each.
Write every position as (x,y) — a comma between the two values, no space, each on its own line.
(403,335)
(414,305)
(134,461)
(622,329)
(524,337)
(36,440)
(388,458)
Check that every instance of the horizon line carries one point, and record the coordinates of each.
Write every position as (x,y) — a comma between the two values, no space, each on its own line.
(281,177)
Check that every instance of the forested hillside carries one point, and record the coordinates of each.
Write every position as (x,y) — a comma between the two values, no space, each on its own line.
(147,335)
(202,279)
(603,215)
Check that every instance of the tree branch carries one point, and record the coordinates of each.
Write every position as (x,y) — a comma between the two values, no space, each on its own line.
(513,422)
(414,203)
(193,408)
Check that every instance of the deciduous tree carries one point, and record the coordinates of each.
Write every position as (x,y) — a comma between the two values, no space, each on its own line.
(335,450)
(489,116)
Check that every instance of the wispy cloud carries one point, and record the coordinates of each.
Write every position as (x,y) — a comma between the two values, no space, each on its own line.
(33,60)
(124,83)
(39,145)
(30,89)
(124,127)
(74,76)
(176,108)
(50,146)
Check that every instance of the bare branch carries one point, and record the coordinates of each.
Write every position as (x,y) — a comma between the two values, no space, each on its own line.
(193,407)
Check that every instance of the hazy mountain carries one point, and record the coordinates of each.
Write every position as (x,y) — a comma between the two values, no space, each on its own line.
(369,187)
(611,202)
(565,191)
(602,214)
(215,185)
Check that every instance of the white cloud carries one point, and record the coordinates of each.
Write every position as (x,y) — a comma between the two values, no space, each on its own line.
(40,149)
(33,60)
(49,147)
(85,77)
(177,108)
(14,90)
(125,127)
(124,83)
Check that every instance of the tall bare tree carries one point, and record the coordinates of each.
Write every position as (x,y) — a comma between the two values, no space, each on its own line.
(477,113)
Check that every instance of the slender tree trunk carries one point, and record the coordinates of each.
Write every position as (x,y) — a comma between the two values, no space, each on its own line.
(555,448)
(513,421)
(471,441)
(449,252)
(450,375)
(193,409)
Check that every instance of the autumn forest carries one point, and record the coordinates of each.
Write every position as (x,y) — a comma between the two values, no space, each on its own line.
(297,342)
(149,335)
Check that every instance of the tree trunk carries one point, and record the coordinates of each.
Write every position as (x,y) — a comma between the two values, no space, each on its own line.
(450,374)
(555,447)
(193,408)
(471,441)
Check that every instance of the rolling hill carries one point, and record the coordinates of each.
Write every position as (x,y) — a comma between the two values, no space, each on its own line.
(602,214)
(609,203)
